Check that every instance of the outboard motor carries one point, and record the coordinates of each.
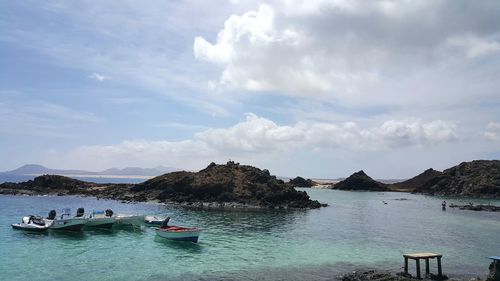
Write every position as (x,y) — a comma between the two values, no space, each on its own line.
(109,213)
(52,215)
(80,212)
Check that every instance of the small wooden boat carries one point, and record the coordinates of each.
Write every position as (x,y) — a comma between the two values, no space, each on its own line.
(32,223)
(178,233)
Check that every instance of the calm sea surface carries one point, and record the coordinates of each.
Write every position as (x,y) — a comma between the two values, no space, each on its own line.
(356,231)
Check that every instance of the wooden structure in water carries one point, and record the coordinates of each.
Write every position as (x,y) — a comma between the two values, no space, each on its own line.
(425,256)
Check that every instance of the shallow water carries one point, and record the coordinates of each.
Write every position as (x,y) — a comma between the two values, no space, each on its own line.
(356,230)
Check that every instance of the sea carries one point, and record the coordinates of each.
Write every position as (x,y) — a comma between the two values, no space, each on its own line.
(357,231)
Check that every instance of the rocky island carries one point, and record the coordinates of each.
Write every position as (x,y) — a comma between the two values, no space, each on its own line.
(360,181)
(301,182)
(218,186)
(479,178)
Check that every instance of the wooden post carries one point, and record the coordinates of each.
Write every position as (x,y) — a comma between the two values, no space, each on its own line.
(427,271)
(440,272)
(418,267)
(406,265)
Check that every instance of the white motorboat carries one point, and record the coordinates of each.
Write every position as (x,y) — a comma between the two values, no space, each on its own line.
(133,220)
(101,219)
(32,223)
(153,220)
(66,221)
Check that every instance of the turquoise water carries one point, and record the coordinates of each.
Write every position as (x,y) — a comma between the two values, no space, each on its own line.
(356,231)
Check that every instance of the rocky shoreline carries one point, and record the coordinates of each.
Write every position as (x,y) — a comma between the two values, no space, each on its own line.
(383,275)
(480,207)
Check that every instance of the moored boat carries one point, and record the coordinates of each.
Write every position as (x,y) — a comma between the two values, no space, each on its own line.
(101,219)
(153,220)
(32,223)
(66,222)
(133,220)
(178,233)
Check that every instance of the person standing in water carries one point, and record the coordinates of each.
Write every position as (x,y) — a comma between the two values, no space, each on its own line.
(443,205)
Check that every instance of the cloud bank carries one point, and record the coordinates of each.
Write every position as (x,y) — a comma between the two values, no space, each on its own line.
(259,136)
(344,50)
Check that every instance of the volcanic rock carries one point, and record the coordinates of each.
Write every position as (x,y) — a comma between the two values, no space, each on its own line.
(301,182)
(415,182)
(479,178)
(362,182)
(231,182)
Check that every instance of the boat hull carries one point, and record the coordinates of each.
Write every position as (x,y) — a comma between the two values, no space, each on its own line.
(153,221)
(73,224)
(30,228)
(106,222)
(189,235)
(129,220)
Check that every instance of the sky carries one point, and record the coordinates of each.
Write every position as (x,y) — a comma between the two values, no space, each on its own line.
(319,88)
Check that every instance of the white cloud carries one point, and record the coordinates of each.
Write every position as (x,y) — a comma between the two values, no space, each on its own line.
(260,137)
(492,131)
(474,46)
(255,134)
(349,50)
(99,77)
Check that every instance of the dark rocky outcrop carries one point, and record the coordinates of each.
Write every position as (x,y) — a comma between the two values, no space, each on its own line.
(362,182)
(59,185)
(373,275)
(472,207)
(226,183)
(415,182)
(237,185)
(479,178)
(301,182)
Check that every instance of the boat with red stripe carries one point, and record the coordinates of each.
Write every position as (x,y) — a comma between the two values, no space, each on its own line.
(178,233)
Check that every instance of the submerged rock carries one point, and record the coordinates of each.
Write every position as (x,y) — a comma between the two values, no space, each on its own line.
(373,275)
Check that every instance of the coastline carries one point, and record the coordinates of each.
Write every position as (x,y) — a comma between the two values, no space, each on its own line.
(255,226)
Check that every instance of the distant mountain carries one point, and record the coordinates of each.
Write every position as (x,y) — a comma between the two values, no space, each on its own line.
(35,169)
(138,171)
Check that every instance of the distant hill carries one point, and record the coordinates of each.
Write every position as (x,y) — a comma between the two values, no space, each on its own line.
(35,169)
(479,178)
(362,182)
(415,182)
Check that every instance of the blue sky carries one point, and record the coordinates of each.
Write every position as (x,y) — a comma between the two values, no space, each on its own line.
(313,88)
